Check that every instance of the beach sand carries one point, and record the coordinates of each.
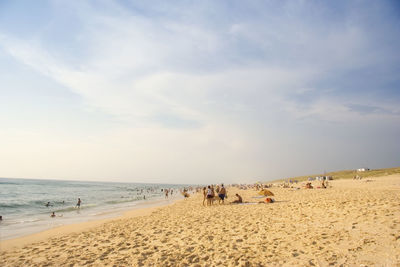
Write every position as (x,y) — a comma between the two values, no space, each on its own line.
(353,223)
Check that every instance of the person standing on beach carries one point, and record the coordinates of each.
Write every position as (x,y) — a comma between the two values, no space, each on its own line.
(323,183)
(204,195)
(213,194)
(222,194)
(78,205)
(210,196)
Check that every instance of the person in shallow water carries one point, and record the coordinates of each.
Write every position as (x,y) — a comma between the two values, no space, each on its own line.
(48,204)
(78,205)
(166,193)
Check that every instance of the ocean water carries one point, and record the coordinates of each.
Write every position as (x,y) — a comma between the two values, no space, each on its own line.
(24,211)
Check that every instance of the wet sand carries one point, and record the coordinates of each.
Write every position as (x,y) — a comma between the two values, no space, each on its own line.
(353,223)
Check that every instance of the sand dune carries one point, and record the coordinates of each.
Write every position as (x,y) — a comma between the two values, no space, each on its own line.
(353,223)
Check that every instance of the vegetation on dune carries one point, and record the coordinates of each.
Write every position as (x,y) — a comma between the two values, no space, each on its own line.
(348,174)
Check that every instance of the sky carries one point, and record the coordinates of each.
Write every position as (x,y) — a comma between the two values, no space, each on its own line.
(197,91)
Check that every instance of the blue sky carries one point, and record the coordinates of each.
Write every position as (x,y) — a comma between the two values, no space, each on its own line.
(197,91)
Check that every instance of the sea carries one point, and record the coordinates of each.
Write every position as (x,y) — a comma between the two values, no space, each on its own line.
(26,204)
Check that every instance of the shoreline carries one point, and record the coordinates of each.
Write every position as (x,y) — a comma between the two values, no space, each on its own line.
(26,205)
(62,230)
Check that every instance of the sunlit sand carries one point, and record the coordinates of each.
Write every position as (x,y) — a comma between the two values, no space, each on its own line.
(353,222)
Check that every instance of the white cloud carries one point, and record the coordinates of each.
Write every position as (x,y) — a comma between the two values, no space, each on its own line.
(138,67)
(191,96)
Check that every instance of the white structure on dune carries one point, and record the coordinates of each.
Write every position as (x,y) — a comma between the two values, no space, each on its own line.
(362,169)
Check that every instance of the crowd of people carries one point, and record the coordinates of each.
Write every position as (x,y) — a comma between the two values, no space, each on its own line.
(212,194)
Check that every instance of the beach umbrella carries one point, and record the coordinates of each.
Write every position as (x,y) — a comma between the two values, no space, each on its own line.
(265,192)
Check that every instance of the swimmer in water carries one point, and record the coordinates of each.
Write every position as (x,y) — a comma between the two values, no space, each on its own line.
(54,215)
(48,204)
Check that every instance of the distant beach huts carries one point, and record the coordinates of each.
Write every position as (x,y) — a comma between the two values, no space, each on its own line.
(320,178)
(362,169)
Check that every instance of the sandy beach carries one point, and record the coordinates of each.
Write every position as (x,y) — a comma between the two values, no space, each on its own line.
(352,223)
